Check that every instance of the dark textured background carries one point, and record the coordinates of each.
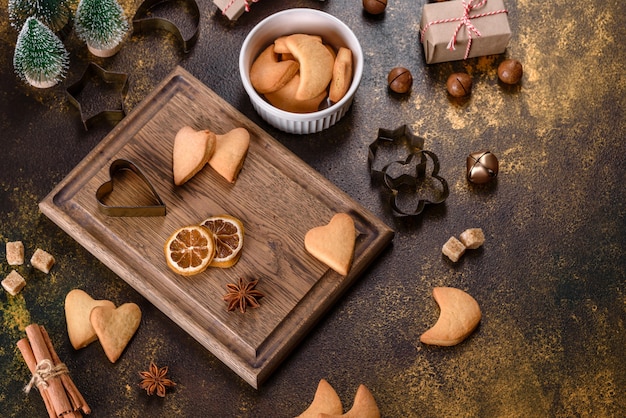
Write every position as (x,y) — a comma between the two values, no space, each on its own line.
(550,278)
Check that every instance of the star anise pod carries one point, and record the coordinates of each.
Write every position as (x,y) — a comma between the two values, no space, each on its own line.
(154,380)
(242,295)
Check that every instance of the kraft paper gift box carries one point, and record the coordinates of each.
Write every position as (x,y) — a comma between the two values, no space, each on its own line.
(232,9)
(448,27)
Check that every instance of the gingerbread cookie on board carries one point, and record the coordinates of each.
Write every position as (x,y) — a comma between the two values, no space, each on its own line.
(333,244)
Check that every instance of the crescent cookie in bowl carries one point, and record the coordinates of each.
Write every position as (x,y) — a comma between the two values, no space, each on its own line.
(284,98)
(316,64)
(268,74)
(342,75)
(298,72)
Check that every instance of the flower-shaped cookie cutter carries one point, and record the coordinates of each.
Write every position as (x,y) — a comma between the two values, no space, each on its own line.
(106,188)
(419,186)
(401,138)
(411,160)
(144,21)
(118,81)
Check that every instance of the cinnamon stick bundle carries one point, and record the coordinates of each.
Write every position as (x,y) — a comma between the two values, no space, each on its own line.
(50,376)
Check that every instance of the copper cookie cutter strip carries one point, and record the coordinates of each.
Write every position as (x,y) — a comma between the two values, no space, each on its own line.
(118,80)
(128,211)
(398,184)
(142,22)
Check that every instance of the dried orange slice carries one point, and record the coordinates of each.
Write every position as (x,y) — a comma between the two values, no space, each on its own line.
(190,250)
(228,232)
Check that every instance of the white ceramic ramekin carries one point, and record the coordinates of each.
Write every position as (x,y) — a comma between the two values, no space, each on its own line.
(311,22)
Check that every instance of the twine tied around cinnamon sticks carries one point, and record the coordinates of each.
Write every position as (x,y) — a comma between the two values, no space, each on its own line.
(45,370)
(50,376)
(464,20)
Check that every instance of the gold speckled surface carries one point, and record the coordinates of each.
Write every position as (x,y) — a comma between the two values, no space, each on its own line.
(550,278)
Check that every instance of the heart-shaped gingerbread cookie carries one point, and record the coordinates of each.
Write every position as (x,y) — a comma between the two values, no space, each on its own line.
(78,306)
(333,244)
(364,406)
(230,153)
(115,327)
(325,401)
(192,150)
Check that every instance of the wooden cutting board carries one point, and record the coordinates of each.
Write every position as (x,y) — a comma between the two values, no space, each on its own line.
(277,196)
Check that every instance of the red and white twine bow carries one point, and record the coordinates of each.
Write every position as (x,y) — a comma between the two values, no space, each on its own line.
(246,5)
(465,20)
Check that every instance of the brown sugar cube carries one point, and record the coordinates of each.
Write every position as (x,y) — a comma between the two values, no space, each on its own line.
(15,253)
(472,238)
(13,283)
(41,260)
(454,249)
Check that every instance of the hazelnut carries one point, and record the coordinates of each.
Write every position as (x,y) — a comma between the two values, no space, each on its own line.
(400,80)
(459,84)
(510,71)
(374,7)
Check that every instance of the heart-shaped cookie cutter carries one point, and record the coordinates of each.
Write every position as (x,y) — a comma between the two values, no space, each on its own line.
(399,185)
(143,22)
(106,188)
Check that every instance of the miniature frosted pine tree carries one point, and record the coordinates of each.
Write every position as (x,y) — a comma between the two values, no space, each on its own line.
(40,57)
(102,25)
(53,13)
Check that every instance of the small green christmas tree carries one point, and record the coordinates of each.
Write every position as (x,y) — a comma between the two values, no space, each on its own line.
(40,57)
(101,24)
(53,13)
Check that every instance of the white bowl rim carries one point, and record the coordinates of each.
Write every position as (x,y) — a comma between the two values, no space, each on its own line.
(300,117)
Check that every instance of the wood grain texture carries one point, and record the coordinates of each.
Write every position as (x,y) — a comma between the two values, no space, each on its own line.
(277,196)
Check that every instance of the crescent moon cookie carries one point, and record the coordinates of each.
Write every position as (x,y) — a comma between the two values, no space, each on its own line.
(268,74)
(342,75)
(280,46)
(285,98)
(459,317)
(316,64)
